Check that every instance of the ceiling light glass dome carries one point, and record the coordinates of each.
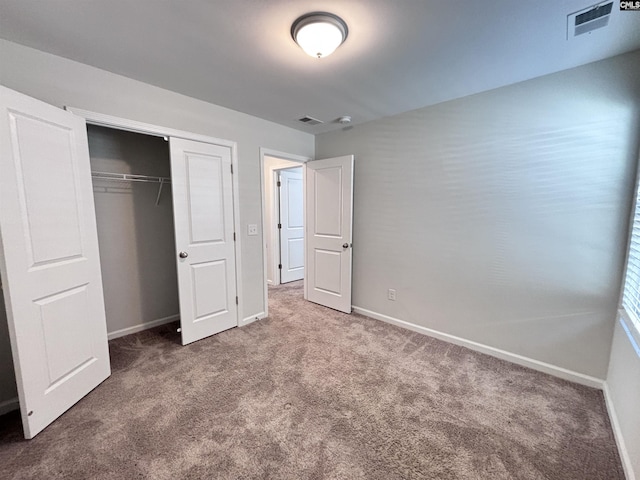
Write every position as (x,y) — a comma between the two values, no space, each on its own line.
(319,33)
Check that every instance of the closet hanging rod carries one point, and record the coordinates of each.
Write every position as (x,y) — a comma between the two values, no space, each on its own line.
(128,177)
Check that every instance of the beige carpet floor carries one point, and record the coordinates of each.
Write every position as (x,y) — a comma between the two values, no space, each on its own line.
(311,393)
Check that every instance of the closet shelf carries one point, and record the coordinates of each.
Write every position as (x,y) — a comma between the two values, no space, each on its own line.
(129,177)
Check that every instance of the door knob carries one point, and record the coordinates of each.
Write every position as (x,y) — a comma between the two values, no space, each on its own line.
(184,254)
(345,245)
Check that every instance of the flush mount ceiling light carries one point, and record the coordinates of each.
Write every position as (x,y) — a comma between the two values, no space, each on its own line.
(319,33)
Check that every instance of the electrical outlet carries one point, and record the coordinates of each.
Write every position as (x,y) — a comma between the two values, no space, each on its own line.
(252,229)
(392,294)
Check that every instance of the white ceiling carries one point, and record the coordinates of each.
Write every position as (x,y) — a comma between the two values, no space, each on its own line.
(400,54)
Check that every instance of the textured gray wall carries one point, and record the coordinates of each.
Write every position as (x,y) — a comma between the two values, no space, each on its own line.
(136,237)
(502,217)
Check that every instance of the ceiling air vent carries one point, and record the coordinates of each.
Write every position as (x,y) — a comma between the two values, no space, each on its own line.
(310,120)
(588,19)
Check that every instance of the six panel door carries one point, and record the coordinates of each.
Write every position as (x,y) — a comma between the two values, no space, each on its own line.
(50,262)
(203,213)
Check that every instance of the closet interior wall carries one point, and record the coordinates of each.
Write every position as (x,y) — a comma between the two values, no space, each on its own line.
(135,236)
(8,390)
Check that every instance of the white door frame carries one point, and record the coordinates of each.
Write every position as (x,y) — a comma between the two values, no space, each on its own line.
(272,230)
(102,120)
(302,160)
(276,214)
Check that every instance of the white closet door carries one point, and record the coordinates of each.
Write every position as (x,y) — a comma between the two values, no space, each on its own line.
(329,210)
(291,225)
(51,266)
(203,212)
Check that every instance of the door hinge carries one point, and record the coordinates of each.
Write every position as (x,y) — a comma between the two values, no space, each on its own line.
(232,169)
(279,225)
(234,236)
(279,183)
(280,266)
(236,300)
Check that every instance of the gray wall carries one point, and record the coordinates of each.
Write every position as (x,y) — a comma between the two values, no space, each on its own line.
(8,391)
(136,237)
(623,382)
(502,217)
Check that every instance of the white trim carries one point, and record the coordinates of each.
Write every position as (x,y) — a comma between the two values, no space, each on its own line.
(305,284)
(142,326)
(559,372)
(285,156)
(633,334)
(276,253)
(9,405)
(273,232)
(237,227)
(95,118)
(617,433)
(101,119)
(246,321)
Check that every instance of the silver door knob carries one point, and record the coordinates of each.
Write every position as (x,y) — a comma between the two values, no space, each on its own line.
(345,245)
(184,254)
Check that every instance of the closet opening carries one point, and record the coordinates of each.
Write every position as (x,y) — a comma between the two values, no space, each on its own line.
(131,176)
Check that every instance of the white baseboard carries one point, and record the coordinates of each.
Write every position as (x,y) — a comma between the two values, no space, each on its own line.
(9,405)
(617,433)
(494,352)
(252,318)
(142,326)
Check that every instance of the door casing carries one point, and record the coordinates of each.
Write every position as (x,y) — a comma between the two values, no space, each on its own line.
(270,175)
(282,224)
(99,119)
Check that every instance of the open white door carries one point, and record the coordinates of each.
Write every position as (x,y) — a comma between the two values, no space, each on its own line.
(291,226)
(329,216)
(203,211)
(51,265)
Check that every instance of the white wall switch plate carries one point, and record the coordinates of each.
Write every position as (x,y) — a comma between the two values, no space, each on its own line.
(252,229)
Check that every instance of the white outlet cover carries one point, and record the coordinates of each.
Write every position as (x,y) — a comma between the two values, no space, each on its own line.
(252,229)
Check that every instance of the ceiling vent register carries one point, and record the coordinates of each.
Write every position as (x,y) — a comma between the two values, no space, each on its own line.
(310,120)
(589,19)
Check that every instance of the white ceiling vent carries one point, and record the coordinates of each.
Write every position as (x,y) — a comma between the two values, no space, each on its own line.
(588,19)
(310,120)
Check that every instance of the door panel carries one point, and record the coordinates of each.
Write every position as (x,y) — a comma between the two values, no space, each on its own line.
(292,225)
(203,213)
(328,266)
(210,289)
(206,202)
(50,262)
(328,201)
(329,210)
